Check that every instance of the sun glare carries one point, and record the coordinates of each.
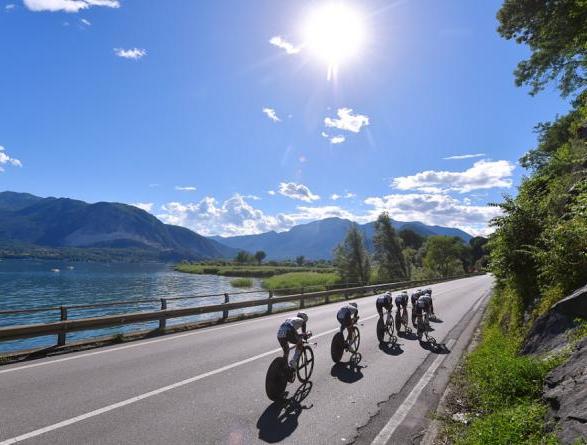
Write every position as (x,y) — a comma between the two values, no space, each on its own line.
(334,33)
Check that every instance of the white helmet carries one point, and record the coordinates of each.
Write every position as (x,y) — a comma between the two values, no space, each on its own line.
(353,304)
(303,316)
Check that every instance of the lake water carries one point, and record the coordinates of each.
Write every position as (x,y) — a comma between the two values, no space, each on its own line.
(34,283)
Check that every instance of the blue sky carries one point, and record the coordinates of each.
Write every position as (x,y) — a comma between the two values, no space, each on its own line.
(220,117)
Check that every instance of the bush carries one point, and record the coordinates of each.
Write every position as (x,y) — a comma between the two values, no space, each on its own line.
(294,281)
(241,282)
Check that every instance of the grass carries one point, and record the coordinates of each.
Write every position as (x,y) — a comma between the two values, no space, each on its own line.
(502,392)
(293,281)
(241,282)
(246,270)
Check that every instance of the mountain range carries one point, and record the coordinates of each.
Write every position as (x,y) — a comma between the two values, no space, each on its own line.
(317,240)
(68,223)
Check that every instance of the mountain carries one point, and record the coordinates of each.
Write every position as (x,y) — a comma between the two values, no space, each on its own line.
(63,223)
(317,240)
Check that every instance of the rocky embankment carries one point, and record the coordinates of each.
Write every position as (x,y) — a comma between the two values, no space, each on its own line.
(565,388)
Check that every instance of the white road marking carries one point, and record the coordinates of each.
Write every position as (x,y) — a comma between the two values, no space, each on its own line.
(403,410)
(155,392)
(171,337)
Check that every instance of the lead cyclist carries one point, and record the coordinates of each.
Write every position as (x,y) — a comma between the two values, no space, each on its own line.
(288,333)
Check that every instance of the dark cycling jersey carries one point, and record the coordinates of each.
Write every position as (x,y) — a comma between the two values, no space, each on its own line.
(385,301)
(401,300)
(346,314)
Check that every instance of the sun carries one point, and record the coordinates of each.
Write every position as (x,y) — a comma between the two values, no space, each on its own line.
(334,33)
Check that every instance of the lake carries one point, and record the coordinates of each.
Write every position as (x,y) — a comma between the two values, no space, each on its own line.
(38,283)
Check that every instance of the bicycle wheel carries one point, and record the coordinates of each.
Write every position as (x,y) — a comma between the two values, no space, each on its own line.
(354,345)
(380,330)
(398,322)
(276,379)
(389,326)
(337,347)
(305,364)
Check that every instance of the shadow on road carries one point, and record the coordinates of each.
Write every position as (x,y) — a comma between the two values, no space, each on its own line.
(348,372)
(436,320)
(280,419)
(408,336)
(391,348)
(435,348)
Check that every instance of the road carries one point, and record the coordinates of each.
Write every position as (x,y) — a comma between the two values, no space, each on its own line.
(207,386)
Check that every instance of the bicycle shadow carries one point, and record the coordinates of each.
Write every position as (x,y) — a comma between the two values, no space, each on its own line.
(348,372)
(436,320)
(280,419)
(435,348)
(408,336)
(391,348)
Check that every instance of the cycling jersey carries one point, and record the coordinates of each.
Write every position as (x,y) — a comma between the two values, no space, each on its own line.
(289,325)
(345,315)
(424,302)
(385,301)
(401,300)
(414,298)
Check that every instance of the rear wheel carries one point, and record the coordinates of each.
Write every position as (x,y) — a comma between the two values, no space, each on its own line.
(337,347)
(305,364)
(276,379)
(354,344)
(380,330)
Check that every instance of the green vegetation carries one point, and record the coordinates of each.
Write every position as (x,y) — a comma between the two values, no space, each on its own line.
(539,250)
(260,256)
(241,282)
(352,259)
(388,253)
(294,281)
(234,270)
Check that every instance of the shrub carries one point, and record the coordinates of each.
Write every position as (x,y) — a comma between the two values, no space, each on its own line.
(241,282)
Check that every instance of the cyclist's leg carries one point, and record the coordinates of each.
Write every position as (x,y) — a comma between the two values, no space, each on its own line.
(379,310)
(294,338)
(285,346)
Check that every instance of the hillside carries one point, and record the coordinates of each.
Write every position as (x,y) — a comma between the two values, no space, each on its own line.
(317,240)
(67,223)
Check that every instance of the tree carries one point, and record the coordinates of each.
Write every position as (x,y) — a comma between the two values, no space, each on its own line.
(300,260)
(388,252)
(479,250)
(242,257)
(443,255)
(411,239)
(351,258)
(556,33)
(260,256)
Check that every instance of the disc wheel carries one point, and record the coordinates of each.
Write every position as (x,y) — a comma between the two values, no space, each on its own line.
(276,379)
(354,345)
(305,364)
(337,347)
(380,330)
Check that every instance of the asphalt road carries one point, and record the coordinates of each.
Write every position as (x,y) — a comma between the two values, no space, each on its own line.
(207,386)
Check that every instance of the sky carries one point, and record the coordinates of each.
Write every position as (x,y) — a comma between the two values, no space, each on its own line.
(233,117)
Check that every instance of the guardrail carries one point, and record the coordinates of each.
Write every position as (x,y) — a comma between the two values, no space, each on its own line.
(64,326)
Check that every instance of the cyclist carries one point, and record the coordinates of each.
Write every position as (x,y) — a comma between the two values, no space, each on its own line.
(414,300)
(347,316)
(288,333)
(401,301)
(429,292)
(384,302)
(423,309)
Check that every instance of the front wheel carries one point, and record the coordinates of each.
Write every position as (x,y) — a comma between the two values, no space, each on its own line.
(356,340)
(337,347)
(305,364)
(276,379)
(380,330)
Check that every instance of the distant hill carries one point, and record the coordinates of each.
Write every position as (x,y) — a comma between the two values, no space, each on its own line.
(317,240)
(66,223)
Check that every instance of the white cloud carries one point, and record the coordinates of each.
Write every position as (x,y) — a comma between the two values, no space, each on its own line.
(337,139)
(9,6)
(7,160)
(457,157)
(347,120)
(271,114)
(271,192)
(133,53)
(436,209)
(483,175)
(68,5)
(283,44)
(297,191)
(146,206)
(235,216)
(187,188)
(86,22)
(348,195)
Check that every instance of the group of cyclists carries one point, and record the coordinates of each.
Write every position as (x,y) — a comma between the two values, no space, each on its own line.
(294,330)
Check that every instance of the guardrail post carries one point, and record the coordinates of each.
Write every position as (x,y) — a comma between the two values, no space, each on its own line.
(346,295)
(270,304)
(225,312)
(61,335)
(163,320)
(302,299)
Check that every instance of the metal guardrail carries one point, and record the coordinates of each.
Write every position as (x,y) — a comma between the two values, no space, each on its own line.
(61,328)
